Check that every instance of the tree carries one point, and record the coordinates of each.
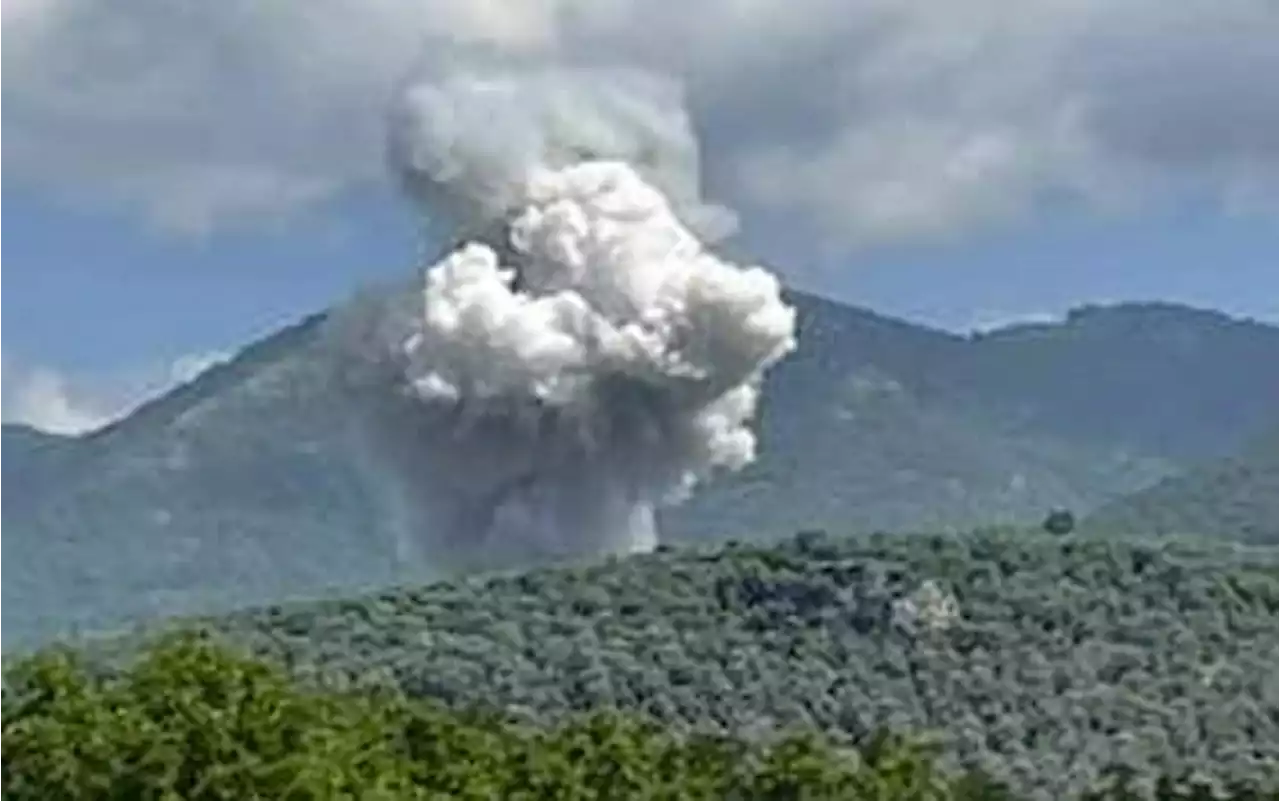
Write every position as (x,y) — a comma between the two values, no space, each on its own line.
(1060,522)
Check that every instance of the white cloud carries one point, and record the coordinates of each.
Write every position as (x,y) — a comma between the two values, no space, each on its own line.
(988,320)
(188,367)
(61,402)
(41,399)
(865,121)
(21,11)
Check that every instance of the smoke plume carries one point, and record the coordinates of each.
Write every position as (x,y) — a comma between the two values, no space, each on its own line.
(581,358)
(465,143)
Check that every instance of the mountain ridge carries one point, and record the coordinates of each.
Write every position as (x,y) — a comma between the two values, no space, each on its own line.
(248,484)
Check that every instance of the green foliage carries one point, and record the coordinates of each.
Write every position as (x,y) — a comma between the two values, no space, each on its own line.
(1233,497)
(731,676)
(194,721)
(1037,659)
(189,721)
(1059,523)
(1063,653)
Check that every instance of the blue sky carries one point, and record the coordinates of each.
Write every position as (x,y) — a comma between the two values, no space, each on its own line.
(1047,266)
(187,177)
(89,291)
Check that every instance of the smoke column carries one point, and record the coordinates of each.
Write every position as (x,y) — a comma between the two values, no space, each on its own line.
(580,358)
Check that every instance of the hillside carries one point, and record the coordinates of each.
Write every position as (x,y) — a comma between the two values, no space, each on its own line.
(1236,495)
(27,453)
(237,487)
(1150,378)
(1039,660)
(1156,378)
(875,423)
(246,486)
(22,443)
(874,457)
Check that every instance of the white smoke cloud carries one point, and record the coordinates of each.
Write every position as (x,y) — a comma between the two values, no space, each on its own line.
(583,358)
(986,321)
(464,139)
(189,366)
(858,121)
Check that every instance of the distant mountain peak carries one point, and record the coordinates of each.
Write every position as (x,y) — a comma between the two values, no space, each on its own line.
(219,377)
(1158,311)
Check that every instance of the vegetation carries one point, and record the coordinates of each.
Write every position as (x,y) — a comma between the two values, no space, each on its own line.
(1234,496)
(1059,523)
(1037,661)
(194,721)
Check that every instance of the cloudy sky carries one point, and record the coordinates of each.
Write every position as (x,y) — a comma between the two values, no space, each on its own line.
(184,175)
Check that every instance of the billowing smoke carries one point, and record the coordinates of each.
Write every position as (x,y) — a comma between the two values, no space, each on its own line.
(580,358)
(465,143)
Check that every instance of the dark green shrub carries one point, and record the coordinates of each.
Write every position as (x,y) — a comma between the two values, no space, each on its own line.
(1060,522)
(189,721)
(193,721)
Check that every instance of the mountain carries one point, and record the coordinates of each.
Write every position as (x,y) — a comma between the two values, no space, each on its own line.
(21,441)
(1154,378)
(1234,497)
(27,449)
(238,485)
(29,455)
(878,423)
(1159,378)
(246,484)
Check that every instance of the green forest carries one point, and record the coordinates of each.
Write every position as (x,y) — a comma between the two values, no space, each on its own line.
(999,664)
